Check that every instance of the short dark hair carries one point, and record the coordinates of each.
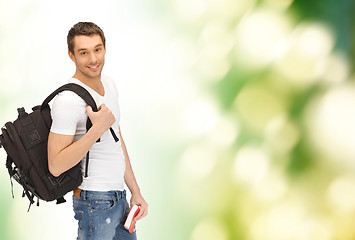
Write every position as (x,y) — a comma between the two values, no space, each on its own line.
(84,28)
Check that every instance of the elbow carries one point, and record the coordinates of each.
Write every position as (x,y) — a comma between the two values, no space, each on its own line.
(53,169)
(54,173)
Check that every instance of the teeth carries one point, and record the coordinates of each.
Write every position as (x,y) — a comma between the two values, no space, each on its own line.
(94,66)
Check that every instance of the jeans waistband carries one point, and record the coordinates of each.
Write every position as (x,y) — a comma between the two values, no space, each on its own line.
(86,194)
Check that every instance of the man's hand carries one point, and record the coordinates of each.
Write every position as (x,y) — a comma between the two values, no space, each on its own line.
(103,119)
(139,200)
(64,154)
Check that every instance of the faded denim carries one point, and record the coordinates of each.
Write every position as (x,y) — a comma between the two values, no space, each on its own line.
(101,215)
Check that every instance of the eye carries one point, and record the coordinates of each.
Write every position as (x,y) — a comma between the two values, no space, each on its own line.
(98,49)
(83,53)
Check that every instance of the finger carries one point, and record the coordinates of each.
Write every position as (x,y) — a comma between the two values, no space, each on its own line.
(142,213)
(145,213)
(89,109)
(139,214)
(101,106)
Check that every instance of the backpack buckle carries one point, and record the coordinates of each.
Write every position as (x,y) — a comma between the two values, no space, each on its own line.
(21,112)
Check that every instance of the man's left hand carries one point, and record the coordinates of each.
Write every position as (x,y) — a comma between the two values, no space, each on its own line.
(139,200)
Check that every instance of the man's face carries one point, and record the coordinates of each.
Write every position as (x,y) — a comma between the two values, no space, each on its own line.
(89,56)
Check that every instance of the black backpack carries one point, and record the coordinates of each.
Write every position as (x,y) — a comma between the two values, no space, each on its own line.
(25,141)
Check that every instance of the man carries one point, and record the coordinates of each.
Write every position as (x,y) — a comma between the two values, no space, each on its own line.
(99,203)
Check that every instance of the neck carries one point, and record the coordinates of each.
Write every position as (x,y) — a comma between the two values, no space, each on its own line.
(94,83)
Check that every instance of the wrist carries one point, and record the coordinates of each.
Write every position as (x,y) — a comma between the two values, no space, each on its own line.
(136,191)
(97,131)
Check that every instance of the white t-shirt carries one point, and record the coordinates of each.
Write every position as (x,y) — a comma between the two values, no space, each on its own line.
(106,161)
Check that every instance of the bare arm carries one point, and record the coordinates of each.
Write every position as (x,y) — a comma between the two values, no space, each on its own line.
(63,154)
(131,182)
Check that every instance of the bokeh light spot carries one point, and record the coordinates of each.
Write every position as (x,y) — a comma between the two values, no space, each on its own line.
(251,165)
(341,194)
(258,107)
(331,125)
(258,37)
(301,62)
(281,135)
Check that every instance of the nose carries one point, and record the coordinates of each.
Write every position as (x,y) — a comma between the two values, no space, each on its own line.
(93,59)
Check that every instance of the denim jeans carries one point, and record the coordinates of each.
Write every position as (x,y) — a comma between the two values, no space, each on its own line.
(101,215)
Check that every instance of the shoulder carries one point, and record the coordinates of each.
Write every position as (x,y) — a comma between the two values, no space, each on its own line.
(68,106)
(67,111)
(68,100)
(69,97)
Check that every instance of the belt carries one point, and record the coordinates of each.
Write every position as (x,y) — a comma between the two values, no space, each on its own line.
(116,194)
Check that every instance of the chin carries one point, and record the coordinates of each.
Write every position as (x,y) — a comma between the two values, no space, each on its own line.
(93,75)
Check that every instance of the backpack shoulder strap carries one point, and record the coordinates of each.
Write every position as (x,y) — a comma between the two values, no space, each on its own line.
(85,95)
(80,91)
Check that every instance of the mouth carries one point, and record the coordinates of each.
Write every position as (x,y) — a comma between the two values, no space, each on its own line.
(94,68)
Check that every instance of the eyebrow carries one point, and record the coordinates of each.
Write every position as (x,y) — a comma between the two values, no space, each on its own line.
(84,49)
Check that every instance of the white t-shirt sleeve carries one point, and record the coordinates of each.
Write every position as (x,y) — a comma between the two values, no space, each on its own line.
(67,110)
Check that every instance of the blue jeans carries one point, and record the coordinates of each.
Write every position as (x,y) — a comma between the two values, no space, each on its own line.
(101,215)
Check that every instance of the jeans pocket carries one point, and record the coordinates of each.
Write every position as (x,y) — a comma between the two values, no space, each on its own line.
(103,206)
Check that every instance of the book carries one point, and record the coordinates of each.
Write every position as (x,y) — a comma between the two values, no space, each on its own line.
(130,222)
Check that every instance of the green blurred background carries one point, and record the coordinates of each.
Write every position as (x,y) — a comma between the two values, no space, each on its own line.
(238,115)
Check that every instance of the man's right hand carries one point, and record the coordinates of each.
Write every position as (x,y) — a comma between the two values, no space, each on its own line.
(102,119)
(64,154)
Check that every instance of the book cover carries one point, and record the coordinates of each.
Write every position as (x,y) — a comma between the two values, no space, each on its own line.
(130,222)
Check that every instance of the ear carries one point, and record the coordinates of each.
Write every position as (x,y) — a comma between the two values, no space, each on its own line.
(71,55)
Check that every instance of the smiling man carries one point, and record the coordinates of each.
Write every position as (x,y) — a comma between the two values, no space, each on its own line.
(99,203)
